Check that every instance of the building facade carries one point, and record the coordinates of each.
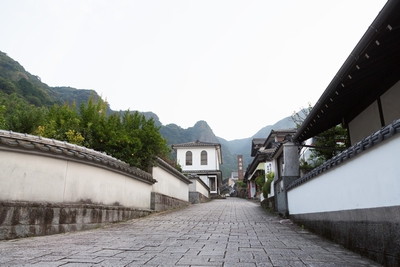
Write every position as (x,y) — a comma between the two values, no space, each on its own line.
(353,198)
(202,159)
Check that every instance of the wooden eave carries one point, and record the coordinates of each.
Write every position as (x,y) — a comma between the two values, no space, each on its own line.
(371,69)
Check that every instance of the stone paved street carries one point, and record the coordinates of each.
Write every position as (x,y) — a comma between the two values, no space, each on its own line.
(226,232)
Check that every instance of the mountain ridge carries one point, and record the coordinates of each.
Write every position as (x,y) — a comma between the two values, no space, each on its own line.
(14,79)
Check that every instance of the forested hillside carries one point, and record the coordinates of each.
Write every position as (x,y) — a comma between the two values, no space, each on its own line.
(25,92)
(77,116)
(243,146)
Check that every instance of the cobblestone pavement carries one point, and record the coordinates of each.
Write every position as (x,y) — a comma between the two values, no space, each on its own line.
(226,232)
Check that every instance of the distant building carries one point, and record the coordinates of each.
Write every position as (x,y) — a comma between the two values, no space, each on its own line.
(234,177)
(202,159)
(262,150)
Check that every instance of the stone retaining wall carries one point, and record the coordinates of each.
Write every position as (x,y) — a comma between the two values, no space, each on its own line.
(353,198)
(374,232)
(25,219)
(160,202)
(196,198)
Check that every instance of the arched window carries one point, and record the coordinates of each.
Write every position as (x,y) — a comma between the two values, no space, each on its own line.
(189,158)
(203,157)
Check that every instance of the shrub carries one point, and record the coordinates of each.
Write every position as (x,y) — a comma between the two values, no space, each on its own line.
(267,185)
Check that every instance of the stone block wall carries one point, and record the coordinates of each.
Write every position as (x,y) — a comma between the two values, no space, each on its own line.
(25,219)
(160,202)
(196,198)
(373,233)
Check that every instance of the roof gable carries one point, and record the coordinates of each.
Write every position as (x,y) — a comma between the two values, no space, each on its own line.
(263,149)
(200,144)
(197,143)
(256,144)
(370,70)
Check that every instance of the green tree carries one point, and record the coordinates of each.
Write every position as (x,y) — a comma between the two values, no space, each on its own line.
(61,123)
(299,117)
(93,119)
(240,184)
(267,185)
(2,119)
(153,144)
(327,144)
(330,143)
(21,116)
(138,141)
(129,136)
(7,86)
(260,180)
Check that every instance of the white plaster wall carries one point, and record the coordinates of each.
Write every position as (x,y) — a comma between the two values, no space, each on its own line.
(104,186)
(390,104)
(212,163)
(25,177)
(365,124)
(369,122)
(271,190)
(369,180)
(31,178)
(206,180)
(197,186)
(168,184)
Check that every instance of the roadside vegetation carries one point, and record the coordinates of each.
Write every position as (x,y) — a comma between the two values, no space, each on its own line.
(127,136)
(326,145)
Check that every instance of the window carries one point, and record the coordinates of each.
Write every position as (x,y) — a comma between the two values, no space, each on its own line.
(203,157)
(188,158)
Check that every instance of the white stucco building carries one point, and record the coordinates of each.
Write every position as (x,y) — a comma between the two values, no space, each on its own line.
(202,159)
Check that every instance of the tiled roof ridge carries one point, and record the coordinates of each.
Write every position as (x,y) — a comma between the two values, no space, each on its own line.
(368,142)
(49,147)
(196,143)
(201,171)
(172,170)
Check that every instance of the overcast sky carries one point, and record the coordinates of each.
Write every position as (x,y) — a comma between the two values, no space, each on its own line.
(239,65)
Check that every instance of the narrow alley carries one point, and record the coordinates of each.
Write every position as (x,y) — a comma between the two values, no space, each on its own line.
(226,232)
